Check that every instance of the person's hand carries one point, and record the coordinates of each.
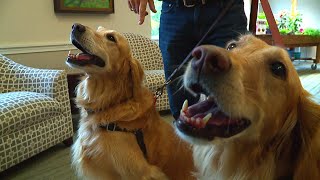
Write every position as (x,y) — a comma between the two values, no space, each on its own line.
(140,7)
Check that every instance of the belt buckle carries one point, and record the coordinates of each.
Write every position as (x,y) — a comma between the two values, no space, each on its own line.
(188,3)
(192,3)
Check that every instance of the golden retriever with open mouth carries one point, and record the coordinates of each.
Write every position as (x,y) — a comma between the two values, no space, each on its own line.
(257,121)
(121,135)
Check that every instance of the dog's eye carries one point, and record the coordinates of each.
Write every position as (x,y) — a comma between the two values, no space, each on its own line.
(111,37)
(231,46)
(278,69)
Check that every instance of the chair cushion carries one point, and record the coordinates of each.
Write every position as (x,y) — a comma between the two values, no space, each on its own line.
(154,79)
(22,109)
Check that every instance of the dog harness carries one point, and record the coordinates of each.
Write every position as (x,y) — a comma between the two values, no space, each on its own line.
(114,127)
(138,134)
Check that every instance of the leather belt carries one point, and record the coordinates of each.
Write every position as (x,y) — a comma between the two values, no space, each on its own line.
(188,3)
(192,3)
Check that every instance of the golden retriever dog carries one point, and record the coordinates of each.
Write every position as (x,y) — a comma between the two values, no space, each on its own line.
(257,121)
(121,135)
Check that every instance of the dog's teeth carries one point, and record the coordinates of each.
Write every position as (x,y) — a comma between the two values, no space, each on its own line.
(77,56)
(192,120)
(185,105)
(69,53)
(198,122)
(206,118)
(182,113)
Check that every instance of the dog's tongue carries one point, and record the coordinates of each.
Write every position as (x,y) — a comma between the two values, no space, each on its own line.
(201,110)
(83,57)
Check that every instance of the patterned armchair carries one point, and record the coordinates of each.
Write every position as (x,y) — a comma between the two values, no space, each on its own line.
(34,111)
(149,55)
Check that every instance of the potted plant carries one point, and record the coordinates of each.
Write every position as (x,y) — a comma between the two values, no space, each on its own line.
(293,35)
(289,24)
(311,32)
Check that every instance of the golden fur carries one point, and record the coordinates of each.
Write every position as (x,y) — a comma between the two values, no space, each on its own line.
(116,93)
(283,139)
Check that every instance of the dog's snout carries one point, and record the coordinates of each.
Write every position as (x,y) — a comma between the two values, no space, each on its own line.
(79,27)
(212,58)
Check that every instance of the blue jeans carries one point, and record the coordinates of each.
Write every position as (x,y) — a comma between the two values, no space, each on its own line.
(180,30)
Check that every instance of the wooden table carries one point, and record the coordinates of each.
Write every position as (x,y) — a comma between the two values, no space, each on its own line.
(292,41)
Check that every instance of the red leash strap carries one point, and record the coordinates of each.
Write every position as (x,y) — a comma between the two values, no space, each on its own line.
(270,18)
(155,100)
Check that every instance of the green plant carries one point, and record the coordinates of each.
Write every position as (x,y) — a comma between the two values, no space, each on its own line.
(312,32)
(87,3)
(284,31)
(288,24)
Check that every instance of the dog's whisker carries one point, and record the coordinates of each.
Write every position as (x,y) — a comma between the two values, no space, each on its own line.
(246,88)
(179,79)
(190,91)
(181,87)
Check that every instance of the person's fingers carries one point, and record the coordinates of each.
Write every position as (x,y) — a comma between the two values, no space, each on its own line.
(141,21)
(136,6)
(129,5)
(152,6)
(133,4)
(142,11)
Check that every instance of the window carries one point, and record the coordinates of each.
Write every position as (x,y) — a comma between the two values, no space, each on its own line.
(155,20)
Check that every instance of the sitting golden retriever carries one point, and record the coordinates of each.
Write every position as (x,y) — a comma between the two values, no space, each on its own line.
(121,135)
(257,121)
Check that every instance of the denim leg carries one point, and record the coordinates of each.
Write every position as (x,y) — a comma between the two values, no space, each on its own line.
(180,30)
(176,41)
(233,24)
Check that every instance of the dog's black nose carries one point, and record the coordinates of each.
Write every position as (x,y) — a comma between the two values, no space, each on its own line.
(210,58)
(79,27)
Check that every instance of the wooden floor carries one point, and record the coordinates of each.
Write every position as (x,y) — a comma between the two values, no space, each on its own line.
(310,79)
(54,164)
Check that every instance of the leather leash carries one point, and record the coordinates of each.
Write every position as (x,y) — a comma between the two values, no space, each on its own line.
(160,90)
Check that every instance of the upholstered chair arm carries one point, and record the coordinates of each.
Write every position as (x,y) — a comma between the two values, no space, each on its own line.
(17,77)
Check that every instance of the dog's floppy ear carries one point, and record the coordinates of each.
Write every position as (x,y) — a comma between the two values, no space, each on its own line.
(308,164)
(137,75)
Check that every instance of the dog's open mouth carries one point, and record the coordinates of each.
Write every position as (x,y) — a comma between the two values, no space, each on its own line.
(84,58)
(205,120)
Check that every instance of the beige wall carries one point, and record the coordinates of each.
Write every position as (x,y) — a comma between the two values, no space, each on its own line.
(32,34)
